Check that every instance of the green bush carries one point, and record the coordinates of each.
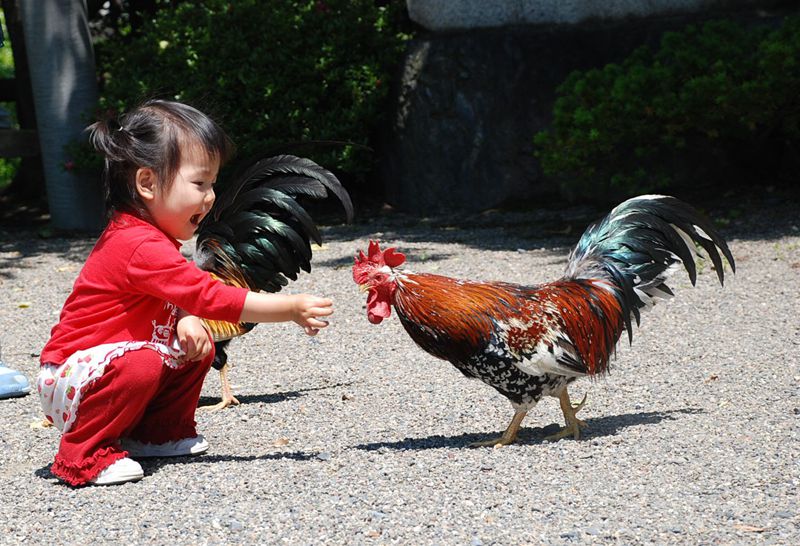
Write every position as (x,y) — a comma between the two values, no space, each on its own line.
(713,103)
(270,72)
(8,166)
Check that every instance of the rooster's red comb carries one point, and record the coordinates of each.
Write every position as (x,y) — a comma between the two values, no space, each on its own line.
(375,257)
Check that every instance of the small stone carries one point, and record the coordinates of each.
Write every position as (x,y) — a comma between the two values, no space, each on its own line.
(324,456)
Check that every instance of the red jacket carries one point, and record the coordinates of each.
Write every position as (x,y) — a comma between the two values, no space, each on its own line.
(130,289)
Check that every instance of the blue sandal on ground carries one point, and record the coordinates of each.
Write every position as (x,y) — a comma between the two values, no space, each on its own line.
(12,383)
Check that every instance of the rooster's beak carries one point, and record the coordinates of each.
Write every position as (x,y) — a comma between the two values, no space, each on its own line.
(363,287)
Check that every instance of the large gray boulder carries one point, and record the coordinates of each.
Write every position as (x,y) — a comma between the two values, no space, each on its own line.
(470,102)
(469,105)
(463,14)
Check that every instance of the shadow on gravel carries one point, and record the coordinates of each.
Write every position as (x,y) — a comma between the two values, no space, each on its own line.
(757,215)
(14,252)
(598,427)
(44,473)
(501,232)
(150,466)
(273,398)
(254,398)
(610,425)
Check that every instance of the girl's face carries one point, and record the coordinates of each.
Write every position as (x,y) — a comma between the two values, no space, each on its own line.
(178,210)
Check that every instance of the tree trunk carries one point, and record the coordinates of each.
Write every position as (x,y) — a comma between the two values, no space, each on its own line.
(28,183)
(61,62)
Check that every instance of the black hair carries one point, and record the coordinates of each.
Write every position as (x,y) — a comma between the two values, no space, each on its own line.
(150,136)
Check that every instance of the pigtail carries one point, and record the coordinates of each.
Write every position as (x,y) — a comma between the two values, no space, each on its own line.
(109,138)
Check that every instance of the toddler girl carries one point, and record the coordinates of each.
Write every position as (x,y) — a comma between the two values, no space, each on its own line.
(122,372)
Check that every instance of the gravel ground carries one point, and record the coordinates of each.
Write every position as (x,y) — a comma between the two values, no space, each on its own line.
(359,437)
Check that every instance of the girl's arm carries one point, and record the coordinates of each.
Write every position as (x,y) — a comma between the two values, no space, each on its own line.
(302,309)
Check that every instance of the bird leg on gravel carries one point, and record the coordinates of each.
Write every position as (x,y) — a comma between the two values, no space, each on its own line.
(41,423)
(228,399)
(574,425)
(509,436)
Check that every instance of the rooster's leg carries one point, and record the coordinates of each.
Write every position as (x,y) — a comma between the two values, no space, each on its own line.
(228,399)
(574,425)
(509,436)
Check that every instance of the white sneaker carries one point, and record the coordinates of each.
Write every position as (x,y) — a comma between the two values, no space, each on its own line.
(121,471)
(178,448)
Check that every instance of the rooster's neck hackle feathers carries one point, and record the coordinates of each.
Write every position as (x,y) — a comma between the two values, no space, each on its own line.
(457,315)
(212,258)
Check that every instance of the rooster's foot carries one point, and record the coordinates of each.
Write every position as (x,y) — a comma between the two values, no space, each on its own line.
(573,429)
(226,402)
(41,423)
(508,437)
(574,425)
(497,443)
(228,399)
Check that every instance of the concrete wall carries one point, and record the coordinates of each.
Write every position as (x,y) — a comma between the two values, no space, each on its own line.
(465,14)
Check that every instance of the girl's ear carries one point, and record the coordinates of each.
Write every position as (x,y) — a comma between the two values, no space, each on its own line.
(146,183)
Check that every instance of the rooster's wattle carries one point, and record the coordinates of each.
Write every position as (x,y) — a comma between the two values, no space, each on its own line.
(532,341)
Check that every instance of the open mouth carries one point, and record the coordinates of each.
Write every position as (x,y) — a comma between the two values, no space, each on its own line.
(195,219)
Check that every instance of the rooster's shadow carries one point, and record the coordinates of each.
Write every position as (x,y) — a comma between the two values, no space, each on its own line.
(244,399)
(272,398)
(597,427)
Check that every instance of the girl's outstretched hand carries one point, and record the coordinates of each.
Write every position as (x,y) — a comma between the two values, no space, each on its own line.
(308,310)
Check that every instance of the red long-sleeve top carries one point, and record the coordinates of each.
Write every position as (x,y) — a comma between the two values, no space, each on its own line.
(130,289)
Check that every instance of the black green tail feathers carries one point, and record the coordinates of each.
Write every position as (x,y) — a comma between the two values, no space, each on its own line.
(258,223)
(640,244)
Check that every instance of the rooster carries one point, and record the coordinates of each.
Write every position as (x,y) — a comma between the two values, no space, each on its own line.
(533,341)
(258,236)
